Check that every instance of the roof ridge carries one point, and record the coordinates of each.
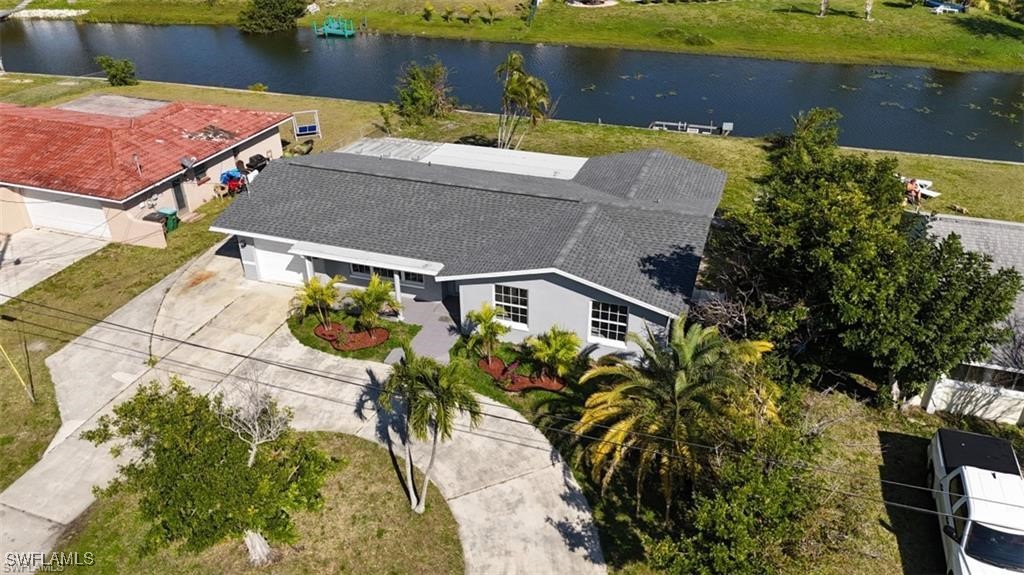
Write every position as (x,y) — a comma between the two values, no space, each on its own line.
(460,185)
(645,166)
(581,226)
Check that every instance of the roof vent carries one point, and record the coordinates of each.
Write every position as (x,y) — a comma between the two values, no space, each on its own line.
(138,166)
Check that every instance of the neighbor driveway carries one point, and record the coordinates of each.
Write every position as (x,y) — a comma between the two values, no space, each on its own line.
(518,508)
(30,256)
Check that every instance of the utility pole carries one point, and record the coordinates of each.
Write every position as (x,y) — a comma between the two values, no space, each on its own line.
(29,389)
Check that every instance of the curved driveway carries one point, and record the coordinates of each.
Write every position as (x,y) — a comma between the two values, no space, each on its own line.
(518,508)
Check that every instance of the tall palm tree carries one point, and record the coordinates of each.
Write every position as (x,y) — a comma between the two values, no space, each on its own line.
(556,350)
(377,296)
(487,330)
(433,396)
(648,409)
(523,97)
(318,296)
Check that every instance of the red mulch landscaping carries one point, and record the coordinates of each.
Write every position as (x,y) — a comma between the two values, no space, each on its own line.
(329,332)
(361,339)
(515,382)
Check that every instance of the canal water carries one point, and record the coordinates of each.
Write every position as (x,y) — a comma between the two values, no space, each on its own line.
(976,114)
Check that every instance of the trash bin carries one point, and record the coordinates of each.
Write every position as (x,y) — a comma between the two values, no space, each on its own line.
(171,218)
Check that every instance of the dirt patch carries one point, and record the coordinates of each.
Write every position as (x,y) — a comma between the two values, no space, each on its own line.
(330,332)
(361,339)
(523,383)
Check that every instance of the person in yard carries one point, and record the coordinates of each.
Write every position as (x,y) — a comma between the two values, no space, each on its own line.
(913,192)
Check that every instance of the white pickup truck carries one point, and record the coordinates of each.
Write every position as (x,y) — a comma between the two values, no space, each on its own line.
(979,493)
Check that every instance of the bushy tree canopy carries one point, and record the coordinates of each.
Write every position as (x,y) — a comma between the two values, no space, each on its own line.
(424,92)
(191,475)
(266,16)
(829,265)
(119,72)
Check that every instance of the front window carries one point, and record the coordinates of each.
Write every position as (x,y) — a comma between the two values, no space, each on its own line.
(384,273)
(513,301)
(609,321)
(413,278)
(996,547)
(360,270)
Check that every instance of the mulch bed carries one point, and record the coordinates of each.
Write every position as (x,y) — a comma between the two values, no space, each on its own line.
(514,382)
(330,332)
(355,340)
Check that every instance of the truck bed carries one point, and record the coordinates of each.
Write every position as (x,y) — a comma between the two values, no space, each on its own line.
(960,448)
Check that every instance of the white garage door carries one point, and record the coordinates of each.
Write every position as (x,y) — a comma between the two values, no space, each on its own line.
(66,213)
(275,264)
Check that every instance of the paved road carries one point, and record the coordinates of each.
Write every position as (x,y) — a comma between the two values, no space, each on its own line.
(517,506)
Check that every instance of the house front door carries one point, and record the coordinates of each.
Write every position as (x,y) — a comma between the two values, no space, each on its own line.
(179,197)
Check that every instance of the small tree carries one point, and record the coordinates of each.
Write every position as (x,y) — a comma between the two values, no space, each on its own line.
(423,91)
(432,396)
(428,11)
(119,72)
(198,484)
(266,16)
(523,97)
(448,13)
(487,330)
(318,297)
(378,296)
(556,350)
(491,15)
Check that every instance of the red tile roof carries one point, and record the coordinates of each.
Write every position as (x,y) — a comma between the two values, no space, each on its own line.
(95,155)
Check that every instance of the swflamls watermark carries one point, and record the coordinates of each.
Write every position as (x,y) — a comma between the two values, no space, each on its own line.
(36,562)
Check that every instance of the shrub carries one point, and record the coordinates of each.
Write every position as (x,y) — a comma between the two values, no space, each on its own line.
(469,12)
(266,16)
(258,87)
(424,92)
(388,118)
(448,13)
(119,72)
(698,40)
(428,11)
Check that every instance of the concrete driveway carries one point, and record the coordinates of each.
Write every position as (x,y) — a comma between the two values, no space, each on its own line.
(39,254)
(518,508)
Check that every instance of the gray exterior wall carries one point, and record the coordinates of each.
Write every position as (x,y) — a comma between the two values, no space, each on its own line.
(554,300)
(430,290)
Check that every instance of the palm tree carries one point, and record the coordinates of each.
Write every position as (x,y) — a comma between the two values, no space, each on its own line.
(523,96)
(318,296)
(487,330)
(556,350)
(648,409)
(434,396)
(372,300)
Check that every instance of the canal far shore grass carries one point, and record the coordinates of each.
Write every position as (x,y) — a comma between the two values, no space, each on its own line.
(899,33)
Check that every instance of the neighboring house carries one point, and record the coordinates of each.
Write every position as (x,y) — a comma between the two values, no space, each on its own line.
(993,389)
(100,175)
(609,245)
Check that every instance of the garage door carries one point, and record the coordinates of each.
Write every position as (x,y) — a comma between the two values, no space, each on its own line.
(66,213)
(275,264)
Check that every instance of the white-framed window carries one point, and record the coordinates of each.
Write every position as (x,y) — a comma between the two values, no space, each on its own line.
(360,270)
(515,303)
(413,278)
(608,321)
(385,273)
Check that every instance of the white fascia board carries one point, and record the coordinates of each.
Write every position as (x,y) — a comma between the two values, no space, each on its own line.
(151,186)
(564,274)
(366,258)
(994,366)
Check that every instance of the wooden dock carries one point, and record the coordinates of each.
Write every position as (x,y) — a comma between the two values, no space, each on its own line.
(724,130)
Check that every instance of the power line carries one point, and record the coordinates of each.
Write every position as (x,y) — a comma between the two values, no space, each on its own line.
(320,374)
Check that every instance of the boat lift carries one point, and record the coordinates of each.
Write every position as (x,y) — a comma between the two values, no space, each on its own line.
(724,130)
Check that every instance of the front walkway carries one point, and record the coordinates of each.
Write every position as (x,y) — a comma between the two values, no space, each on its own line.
(518,508)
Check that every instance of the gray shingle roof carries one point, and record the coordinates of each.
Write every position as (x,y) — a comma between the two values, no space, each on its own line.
(477,222)
(1003,241)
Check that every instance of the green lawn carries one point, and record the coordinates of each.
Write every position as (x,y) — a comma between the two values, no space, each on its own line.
(401,333)
(94,286)
(365,526)
(779,29)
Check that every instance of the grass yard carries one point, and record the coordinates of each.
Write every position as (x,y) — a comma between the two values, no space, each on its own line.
(94,286)
(401,333)
(365,526)
(779,29)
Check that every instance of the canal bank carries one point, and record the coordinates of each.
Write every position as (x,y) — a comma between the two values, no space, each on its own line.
(986,189)
(909,109)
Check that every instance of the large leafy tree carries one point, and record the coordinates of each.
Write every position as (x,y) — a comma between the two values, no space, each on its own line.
(648,410)
(432,396)
(830,266)
(525,101)
(197,482)
(266,16)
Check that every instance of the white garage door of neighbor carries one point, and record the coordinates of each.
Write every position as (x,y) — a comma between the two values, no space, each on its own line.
(276,264)
(66,213)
